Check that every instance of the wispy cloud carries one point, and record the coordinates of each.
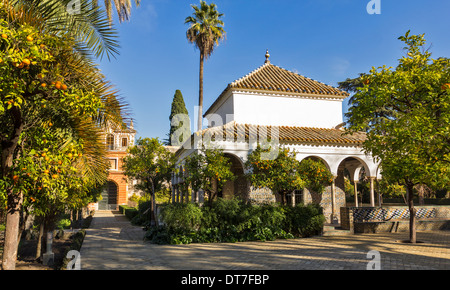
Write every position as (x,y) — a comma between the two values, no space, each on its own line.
(340,66)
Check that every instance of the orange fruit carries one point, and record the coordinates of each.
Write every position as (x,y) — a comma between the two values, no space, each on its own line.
(46,171)
(4,36)
(58,85)
(63,87)
(15,178)
(29,38)
(54,176)
(70,155)
(43,85)
(26,61)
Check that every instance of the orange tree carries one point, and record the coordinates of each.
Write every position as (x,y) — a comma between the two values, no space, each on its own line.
(316,175)
(45,83)
(280,174)
(151,165)
(406,114)
(208,169)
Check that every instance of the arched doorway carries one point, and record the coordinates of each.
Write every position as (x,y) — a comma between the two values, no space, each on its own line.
(239,187)
(109,197)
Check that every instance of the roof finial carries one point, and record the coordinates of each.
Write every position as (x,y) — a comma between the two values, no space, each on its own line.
(267,57)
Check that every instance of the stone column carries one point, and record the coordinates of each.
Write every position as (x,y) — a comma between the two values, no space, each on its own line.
(333,217)
(293,198)
(355,183)
(372,191)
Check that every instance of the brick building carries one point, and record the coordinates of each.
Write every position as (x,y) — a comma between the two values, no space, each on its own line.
(117,190)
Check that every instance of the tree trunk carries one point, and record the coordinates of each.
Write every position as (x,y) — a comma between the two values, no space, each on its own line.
(412,214)
(12,232)
(200,94)
(153,207)
(39,241)
(14,200)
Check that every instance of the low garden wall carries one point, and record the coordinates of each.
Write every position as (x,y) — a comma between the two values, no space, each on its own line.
(394,218)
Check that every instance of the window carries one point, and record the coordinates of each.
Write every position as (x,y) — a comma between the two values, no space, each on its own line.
(110,142)
(124,142)
(113,164)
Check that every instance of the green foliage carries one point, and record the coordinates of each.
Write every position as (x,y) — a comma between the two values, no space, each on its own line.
(129,212)
(234,221)
(406,114)
(150,164)
(63,224)
(304,221)
(205,28)
(182,217)
(180,126)
(316,175)
(281,174)
(143,216)
(209,170)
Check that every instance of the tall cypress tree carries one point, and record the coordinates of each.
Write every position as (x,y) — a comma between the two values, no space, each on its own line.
(180,126)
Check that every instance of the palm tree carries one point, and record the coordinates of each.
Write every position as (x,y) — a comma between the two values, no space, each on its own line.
(80,70)
(123,8)
(205,32)
(90,28)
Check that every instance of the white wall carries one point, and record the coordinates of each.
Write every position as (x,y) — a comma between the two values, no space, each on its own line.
(286,111)
(219,116)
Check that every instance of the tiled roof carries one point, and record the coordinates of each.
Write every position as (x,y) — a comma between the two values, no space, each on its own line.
(270,77)
(286,134)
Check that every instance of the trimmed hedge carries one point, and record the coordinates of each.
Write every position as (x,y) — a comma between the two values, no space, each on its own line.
(234,221)
(129,212)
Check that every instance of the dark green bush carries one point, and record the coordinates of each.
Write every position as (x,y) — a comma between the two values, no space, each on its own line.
(304,221)
(142,215)
(235,221)
(129,212)
(182,217)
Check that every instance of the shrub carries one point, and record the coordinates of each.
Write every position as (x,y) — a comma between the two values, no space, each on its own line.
(129,212)
(143,213)
(233,221)
(182,217)
(304,221)
(63,224)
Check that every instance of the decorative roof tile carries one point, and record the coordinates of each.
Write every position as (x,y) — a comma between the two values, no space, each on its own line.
(285,134)
(270,77)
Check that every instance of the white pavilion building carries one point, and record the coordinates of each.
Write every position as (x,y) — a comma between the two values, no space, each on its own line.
(292,111)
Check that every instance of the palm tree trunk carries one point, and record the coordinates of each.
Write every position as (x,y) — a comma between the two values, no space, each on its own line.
(200,94)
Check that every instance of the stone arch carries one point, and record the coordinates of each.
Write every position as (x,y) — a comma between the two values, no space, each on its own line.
(317,158)
(240,186)
(370,167)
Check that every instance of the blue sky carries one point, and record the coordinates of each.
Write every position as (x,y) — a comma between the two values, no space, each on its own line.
(326,40)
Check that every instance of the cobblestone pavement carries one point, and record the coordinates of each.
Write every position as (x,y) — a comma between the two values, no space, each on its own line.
(113,243)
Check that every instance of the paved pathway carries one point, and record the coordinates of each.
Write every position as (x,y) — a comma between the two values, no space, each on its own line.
(113,243)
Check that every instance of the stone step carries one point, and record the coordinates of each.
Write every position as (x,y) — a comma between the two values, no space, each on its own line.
(334,230)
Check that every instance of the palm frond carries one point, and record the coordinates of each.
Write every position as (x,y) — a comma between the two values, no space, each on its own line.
(90,27)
